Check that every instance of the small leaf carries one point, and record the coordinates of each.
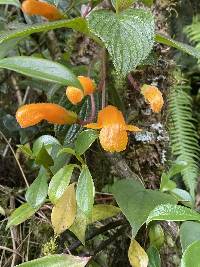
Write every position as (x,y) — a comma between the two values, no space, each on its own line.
(59,182)
(137,256)
(177,167)
(166,184)
(21,214)
(71,151)
(134,201)
(84,140)
(178,45)
(154,257)
(43,158)
(2,211)
(85,192)
(128,36)
(103,211)
(64,212)
(147,2)
(79,226)
(42,69)
(182,195)
(37,192)
(10,2)
(171,212)
(122,4)
(191,256)
(156,236)
(57,261)
(26,150)
(189,233)
(47,140)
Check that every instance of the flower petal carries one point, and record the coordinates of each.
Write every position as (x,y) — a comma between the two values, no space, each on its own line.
(132,128)
(93,126)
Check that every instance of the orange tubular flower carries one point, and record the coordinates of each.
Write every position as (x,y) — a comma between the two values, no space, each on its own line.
(113,135)
(29,115)
(153,96)
(34,7)
(76,95)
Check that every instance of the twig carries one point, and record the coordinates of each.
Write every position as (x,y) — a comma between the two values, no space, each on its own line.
(91,235)
(22,172)
(10,250)
(18,92)
(133,82)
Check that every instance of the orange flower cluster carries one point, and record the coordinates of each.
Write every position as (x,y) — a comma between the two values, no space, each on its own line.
(113,135)
(35,7)
(75,95)
(153,96)
(29,115)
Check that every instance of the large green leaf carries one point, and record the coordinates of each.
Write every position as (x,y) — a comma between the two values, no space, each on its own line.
(57,261)
(85,192)
(21,214)
(37,192)
(171,212)
(10,2)
(191,257)
(128,36)
(136,202)
(42,69)
(178,45)
(59,182)
(84,140)
(189,233)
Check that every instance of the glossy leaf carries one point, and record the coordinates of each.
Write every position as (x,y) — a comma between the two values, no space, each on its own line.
(59,182)
(79,226)
(189,233)
(103,211)
(128,36)
(191,256)
(47,140)
(10,2)
(42,69)
(64,212)
(78,24)
(137,256)
(182,195)
(134,201)
(85,192)
(178,45)
(21,214)
(171,212)
(37,192)
(43,158)
(154,257)
(57,261)
(84,140)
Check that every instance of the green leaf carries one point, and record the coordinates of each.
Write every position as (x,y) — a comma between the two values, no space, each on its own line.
(171,212)
(57,261)
(178,45)
(78,24)
(85,192)
(122,4)
(47,140)
(21,214)
(189,233)
(177,167)
(6,46)
(40,68)
(84,140)
(166,184)
(79,226)
(154,257)
(71,151)
(182,195)
(191,257)
(103,211)
(43,158)
(147,2)
(128,36)
(10,2)
(59,182)
(37,192)
(136,202)
(156,236)
(2,211)
(26,150)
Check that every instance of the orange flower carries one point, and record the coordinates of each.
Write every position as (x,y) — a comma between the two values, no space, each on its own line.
(153,96)
(75,95)
(29,115)
(34,7)
(113,135)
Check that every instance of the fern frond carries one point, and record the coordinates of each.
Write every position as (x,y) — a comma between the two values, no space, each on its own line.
(193,31)
(183,134)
